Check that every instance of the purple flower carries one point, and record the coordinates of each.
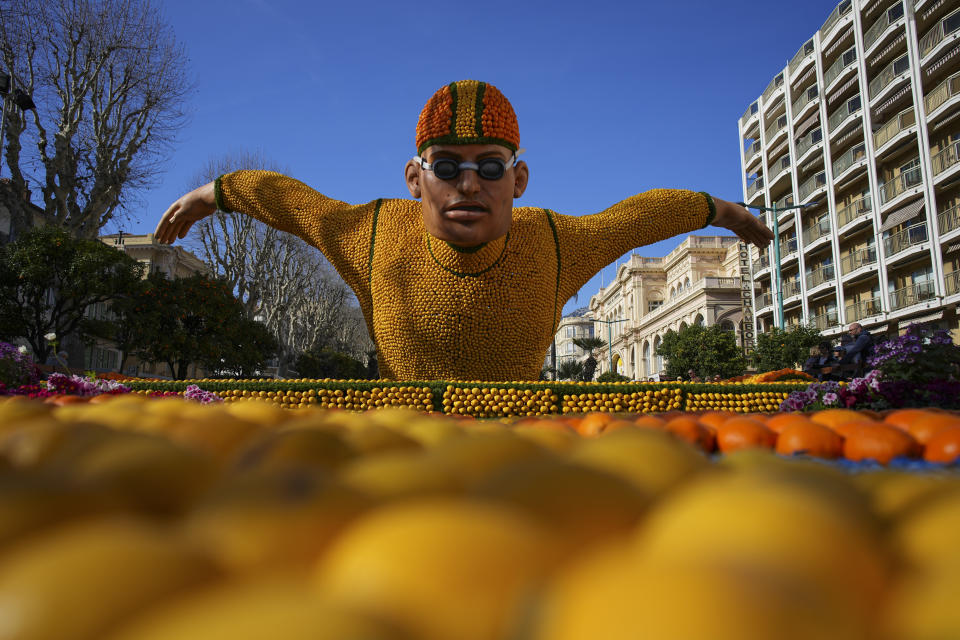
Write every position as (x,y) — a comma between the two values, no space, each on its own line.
(830,398)
(197,394)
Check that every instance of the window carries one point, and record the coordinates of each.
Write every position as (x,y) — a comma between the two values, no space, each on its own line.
(570,347)
(653,305)
(816,135)
(849,56)
(853,104)
(808,48)
(951,23)
(571,332)
(901,65)
(895,12)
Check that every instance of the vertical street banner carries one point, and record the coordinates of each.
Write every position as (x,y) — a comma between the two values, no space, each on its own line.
(746,298)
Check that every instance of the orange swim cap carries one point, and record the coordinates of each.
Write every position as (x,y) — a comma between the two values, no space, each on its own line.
(468,112)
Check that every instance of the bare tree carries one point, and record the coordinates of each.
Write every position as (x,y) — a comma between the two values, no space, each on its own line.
(109,79)
(280,279)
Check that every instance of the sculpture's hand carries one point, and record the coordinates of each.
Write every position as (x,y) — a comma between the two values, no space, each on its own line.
(733,216)
(188,209)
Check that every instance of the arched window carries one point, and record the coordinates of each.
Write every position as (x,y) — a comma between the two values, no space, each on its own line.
(699,320)
(686,283)
(727,325)
(633,362)
(647,364)
(658,360)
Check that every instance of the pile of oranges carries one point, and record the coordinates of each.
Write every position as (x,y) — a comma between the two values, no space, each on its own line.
(149,519)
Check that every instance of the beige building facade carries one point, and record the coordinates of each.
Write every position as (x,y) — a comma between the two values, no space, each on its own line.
(865,122)
(696,283)
(578,324)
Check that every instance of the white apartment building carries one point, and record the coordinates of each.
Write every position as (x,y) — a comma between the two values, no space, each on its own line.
(697,283)
(864,121)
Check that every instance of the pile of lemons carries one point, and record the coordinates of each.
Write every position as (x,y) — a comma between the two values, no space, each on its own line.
(137,519)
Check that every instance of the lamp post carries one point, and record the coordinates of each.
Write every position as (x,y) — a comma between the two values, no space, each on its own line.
(776,249)
(610,324)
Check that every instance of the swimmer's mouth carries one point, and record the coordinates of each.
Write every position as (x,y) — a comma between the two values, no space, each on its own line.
(466,211)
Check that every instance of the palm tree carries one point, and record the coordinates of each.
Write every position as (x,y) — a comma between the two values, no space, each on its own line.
(569,369)
(590,364)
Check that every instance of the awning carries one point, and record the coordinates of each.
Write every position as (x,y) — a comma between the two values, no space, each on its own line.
(889,101)
(889,47)
(848,135)
(873,8)
(901,215)
(930,317)
(839,91)
(806,75)
(953,247)
(806,124)
(776,151)
(840,40)
(933,7)
(943,59)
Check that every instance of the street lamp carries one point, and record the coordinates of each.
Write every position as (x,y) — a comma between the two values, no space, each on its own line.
(776,248)
(610,324)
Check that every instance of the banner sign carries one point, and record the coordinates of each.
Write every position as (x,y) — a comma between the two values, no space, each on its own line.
(746,298)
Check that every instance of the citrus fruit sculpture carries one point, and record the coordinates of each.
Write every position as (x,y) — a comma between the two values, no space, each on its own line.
(134,518)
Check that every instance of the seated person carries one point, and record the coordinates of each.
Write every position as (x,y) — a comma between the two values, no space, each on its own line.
(461,285)
(821,364)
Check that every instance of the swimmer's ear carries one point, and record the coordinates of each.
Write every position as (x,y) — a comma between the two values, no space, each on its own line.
(521,175)
(411,173)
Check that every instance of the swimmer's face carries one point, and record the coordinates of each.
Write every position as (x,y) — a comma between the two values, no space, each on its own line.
(467,210)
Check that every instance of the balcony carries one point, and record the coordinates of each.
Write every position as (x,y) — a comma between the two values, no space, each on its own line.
(790,288)
(805,98)
(839,11)
(846,59)
(889,17)
(856,209)
(850,157)
(951,282)
(895,186)
(799,56)
(949,219)
(762,263)
(788,246)
(894,126)
(754,187)
(946,158)
(889,74)
(935,36)
(903,240)
(811,184)
(751,152)
(816,231)
(764,300)
(913,294)
(863,309)
(805,143)
(859,258)
(780,124)
(847,109)
(751,111)
(775,84)
(778,166)
(942,93)
(821,275)
(826,320)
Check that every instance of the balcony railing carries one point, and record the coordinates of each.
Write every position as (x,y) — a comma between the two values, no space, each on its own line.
(887,76)
(775,128)
(849,158)
(841,114)
(863,309)
(913,294)
(784,202)
(750,152)
(804,51)
(751,110)
(838,12)
(807,141)
(846,59)
(825,320)
(762,263)
(895,186)
(857,259)
(820,275)
(935,36)
(880,26)
(754,187)
(951,282)
(775,84)
(816,231)
(788,246)
(764,300)
(804,99)
(903,240)
(854,210)
(949,219)
(901,121)
(942,92)
(790,288)
(811,184)
(946,158)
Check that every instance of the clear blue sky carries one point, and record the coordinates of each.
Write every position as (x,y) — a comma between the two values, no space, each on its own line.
(613,98)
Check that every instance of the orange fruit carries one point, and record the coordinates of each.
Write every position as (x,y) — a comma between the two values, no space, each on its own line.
(835,417)
(650,422)
(613,425)
(880,442)
(809,438)
(944,447)
(844,430)
(593,424)
(926,426)
(689,429)
(777,422)
(713,419)
(904,417)
(744,433)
